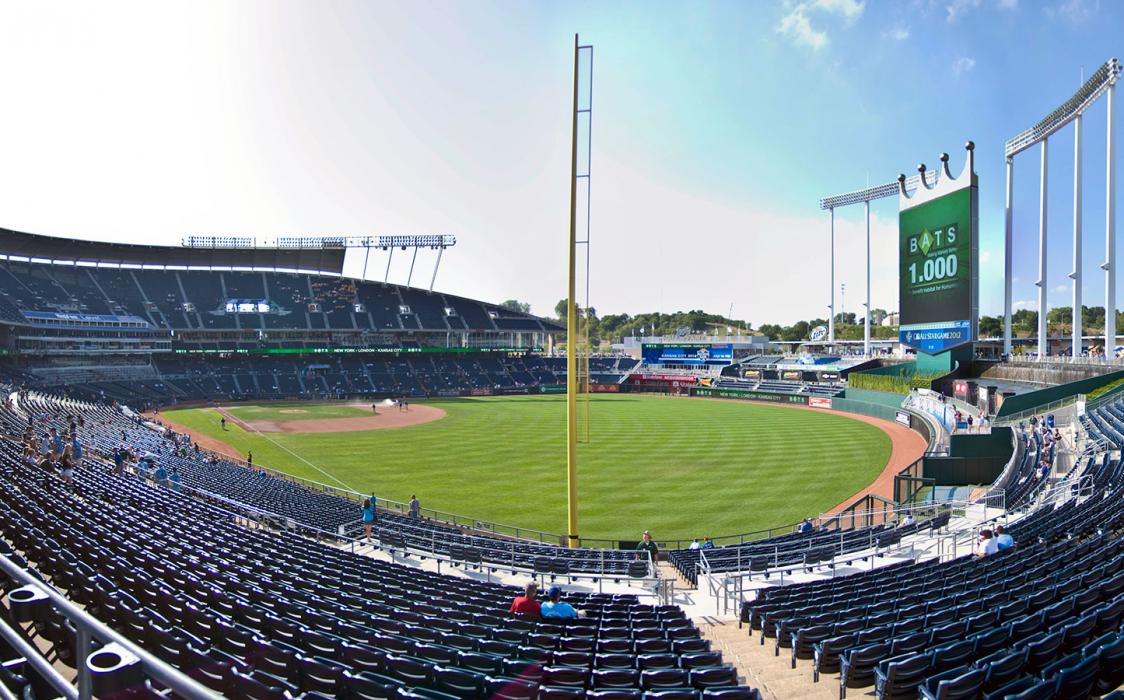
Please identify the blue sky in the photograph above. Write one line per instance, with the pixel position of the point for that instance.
(716, 128)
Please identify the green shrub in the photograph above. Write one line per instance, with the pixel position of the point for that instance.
(1101, 391)
(892, 383)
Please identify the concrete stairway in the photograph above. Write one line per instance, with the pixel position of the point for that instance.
(758, 667)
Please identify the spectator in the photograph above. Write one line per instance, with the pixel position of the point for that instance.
(415, 508)
(707, 544)
(368, 517)
(160, 475)
(987, 544)
(527, 604)
(175, 479)
(907, 520)
(806, 526)
(250, 458)
(76, 451)
(1002, 539)
(555, 609)
(56, 442)
(649, 546)
(119, 460)
(694, 544)
(66, 466)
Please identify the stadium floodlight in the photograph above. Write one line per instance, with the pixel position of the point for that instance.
(1101, 82)
(865, 197)
(432, 241)
(1097, 84)
(311, 242)
(219, 242)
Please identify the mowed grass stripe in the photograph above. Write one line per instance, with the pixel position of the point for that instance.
(680, 467)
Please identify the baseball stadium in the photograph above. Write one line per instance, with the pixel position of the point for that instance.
(238, 467)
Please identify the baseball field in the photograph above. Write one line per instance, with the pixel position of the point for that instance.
(682, 468)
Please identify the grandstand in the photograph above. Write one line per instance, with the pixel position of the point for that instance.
(308, 608)
(138, 562)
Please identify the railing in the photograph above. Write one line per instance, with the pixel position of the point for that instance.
(351, 535)
(1103, 399)
(1096, 362)
(1009, 468)
(1015, 418)
(728, 588)
(88, 630)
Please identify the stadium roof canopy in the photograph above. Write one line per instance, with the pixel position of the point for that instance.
(323, 258)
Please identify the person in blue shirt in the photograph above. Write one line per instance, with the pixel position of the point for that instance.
(807, 526)
(368, 516)
(1002, 539)
(175, 479)
(555, 609)
(56, 442)
(76, 451)
(160, 475)
(707, 544)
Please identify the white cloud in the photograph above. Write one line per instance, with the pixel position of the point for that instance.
(899, 33)
(1073, 11)
(1030, 304)
(849, 9)
(958, 8)
(797, 26)
(1061, 289)
(963, 65)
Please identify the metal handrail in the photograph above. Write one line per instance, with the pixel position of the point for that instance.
(89, 628)
(1014, 418)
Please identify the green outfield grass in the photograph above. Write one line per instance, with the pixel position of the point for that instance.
(680, 467)
(296, 410)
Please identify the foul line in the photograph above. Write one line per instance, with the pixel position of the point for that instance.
(246, 426)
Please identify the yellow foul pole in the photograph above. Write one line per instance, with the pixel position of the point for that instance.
(572, 538)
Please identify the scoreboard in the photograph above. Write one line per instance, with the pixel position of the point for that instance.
(687, 354)
(937, 275)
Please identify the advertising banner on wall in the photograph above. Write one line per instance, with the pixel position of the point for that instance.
(552, 388)
(753, 374)
(903, 417)
(679, 379)
(687, 354)
(750, 395)
(791, 375)
(604, 388)
(938, 279)
(819, 402)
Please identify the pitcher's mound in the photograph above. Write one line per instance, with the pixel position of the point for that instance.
(387, 418)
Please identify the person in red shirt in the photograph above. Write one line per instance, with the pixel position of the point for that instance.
(527, 604)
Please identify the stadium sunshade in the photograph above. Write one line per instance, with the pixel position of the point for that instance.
(27, 245)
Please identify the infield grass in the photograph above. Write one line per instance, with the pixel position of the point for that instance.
(296, 410)
(682, 468)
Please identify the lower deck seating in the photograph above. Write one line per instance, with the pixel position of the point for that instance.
(263, 614)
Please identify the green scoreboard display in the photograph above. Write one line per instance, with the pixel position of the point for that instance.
(937, 268)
